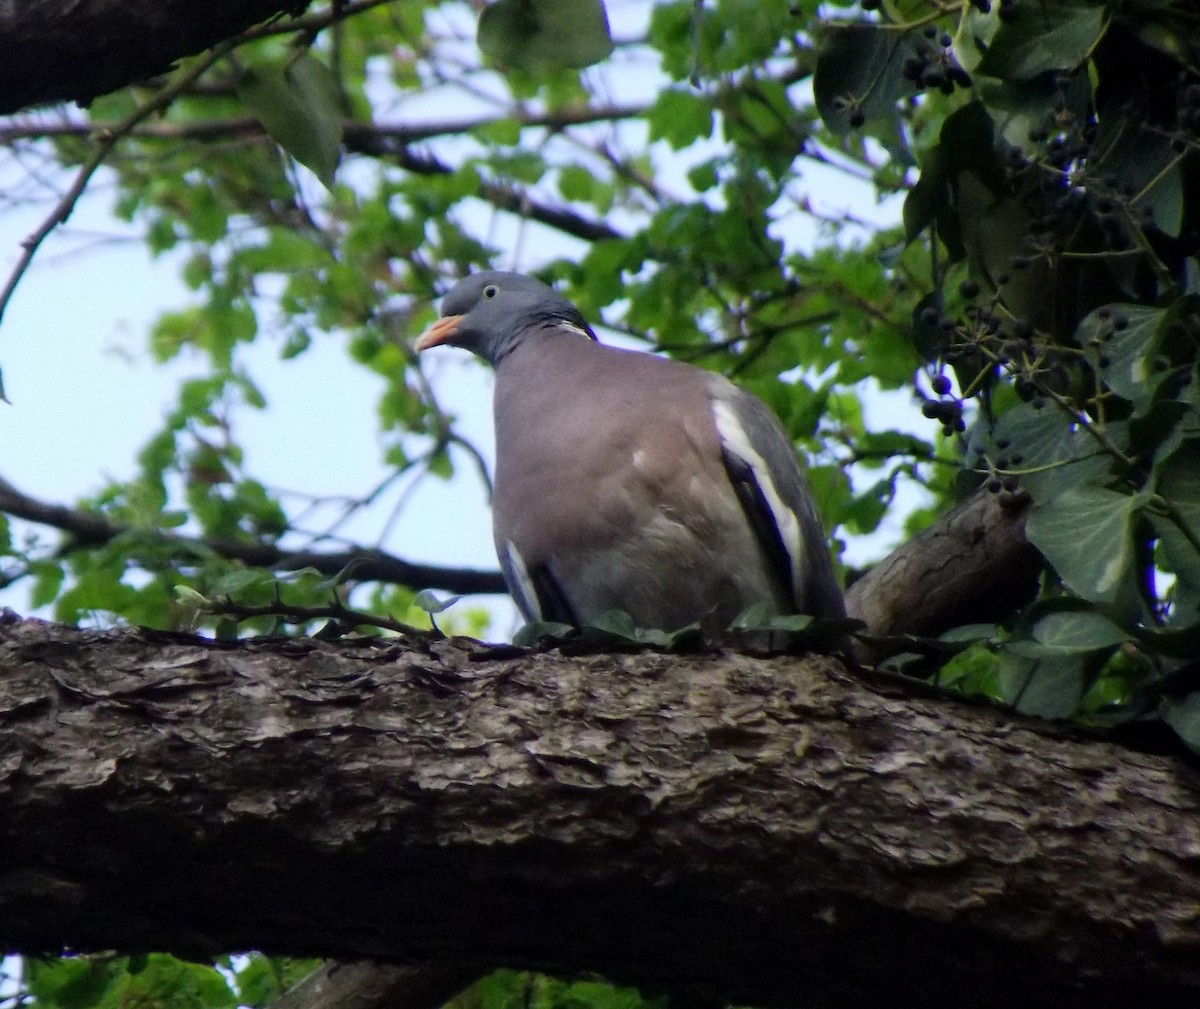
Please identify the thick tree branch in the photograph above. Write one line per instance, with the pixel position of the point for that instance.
(768, 828)
(55, 50)
(972, 565)
(88, 528)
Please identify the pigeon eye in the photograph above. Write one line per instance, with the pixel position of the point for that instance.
(491, 291)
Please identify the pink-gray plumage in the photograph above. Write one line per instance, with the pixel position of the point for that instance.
(628, 481)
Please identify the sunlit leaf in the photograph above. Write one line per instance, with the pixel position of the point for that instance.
(299, 105)
(428, 601)
(537, 35)
(1077, 631)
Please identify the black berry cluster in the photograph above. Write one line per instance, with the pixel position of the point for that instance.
(932, 64)
(999, 480)
(947, 410)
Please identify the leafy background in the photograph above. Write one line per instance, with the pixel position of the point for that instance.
(1011, 245)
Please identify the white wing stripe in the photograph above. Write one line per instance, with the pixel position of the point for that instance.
(520, 584)
(734, 436)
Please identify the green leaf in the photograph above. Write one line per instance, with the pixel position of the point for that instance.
(1124, 334)
(190, 599)
(1184, 717)
(1077, 631)
(927, 198)
(239, 580)
(300, 107)
(428, 601)
(615, 622)
(793, 622)
(1086, 533)
(575, 182)
(973, 671)
(1143, 163)
(858, 72)
(532, 634)
(1177, 481)
(1048, 453)
(755, 617)
(1046, 36)
(680, 118)
(48, 581)
(1045, 687)
(536, 35)
(72, 982)
(970, 632)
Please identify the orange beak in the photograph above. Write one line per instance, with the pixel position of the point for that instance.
(441, 332)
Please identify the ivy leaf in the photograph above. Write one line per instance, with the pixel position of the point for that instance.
(1077, 631)
(1048, 454)
(858, 74)
(1046, 687)
(532, 635)
(1184, 717)
(1086, 533)
(535, 35)
(1143, 162)
(618, 627)
(1177, 481)
(928, 197)
(1128, 351)
(1056, 36)
(299, 106)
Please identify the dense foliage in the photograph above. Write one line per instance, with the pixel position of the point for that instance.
(1038, 295)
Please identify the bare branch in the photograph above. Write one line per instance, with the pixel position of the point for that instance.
(972, 565)
(501, 195)
(90, 528)
(242, 126)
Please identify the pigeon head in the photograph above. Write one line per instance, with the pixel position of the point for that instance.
(490, 313)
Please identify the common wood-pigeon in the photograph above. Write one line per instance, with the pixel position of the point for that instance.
(628, 481)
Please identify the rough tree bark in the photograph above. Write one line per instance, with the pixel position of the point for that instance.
(54, 50)
(772, 830)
